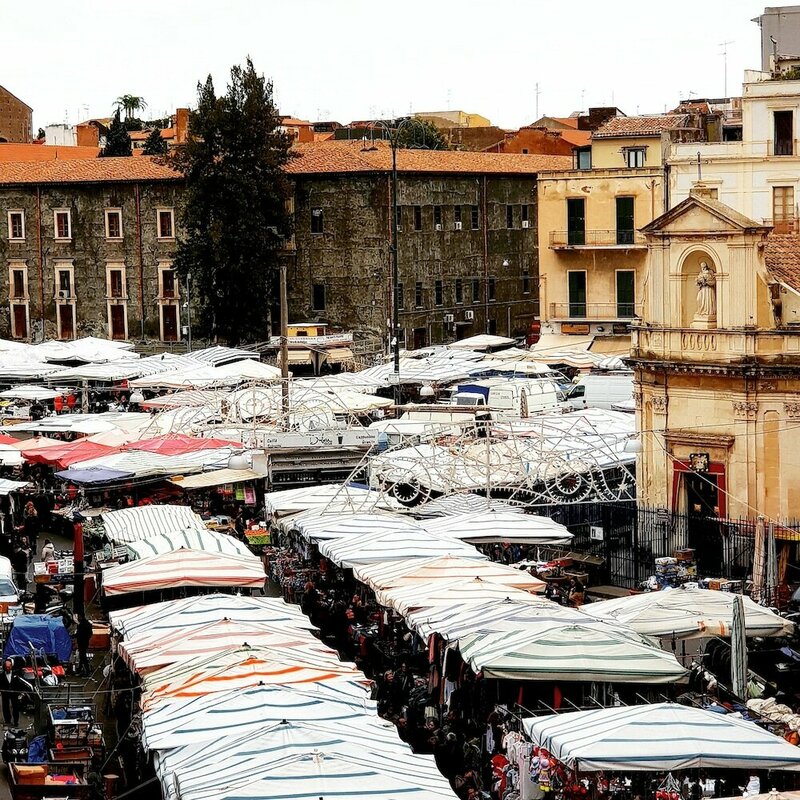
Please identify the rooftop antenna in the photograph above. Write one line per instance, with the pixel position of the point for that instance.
(537, 92)
(699, 169)
(724, 46)
(583, 95)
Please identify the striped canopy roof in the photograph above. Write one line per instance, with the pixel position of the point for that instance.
(209, 541)
(662, 736)
(157, 619)
(501, 526)
(133, 524)
(232, 712)
(184, 568)
(554, 651)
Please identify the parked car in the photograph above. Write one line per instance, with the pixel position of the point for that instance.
(601, 390)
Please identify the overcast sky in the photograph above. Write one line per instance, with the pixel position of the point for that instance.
(357, 59)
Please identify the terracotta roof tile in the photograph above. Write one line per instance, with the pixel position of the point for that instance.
(95, 170)
(782, 255)
(639, 126)
(44, 152)
(359, 156)
(577, 138)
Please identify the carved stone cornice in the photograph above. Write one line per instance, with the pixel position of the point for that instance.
(659, 403)
(745, 409)
(680, 436)
(792, 410)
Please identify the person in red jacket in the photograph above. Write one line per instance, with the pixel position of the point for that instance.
(58, 404)
(70, 402)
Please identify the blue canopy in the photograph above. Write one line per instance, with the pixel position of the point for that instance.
(47, 635)
(94, 475)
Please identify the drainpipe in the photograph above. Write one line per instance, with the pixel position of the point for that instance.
(139, 252)
(41, 254)
(666, 188)
(485, 215)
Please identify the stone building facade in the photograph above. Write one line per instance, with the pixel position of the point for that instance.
(466, 232)
(86, 248)
(16, 119)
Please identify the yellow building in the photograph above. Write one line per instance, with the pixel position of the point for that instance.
(591, 254)
(453, 119)
(717, 361)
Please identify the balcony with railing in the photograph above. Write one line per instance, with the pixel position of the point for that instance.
(596, 312)
(620, 238)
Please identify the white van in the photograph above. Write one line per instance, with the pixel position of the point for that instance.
(9, 593)
(597, 390)
(509, 399)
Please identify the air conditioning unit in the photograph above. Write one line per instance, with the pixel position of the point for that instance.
(438, 226)
(526, 223)
(469, 316)
(458, 226)
(449, 319)
(63, 294)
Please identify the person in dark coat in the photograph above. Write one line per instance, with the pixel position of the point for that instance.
(19, 561)
(11, 686)
(83, 635)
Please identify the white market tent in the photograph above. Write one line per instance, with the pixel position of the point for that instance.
(144, 655)
(462, 503)
(216, 716)
(503, 527)
(248, 370)
(688, 612)
(29, 392)
(396, 543)
(143, 522)
(184, 568)
(217, 763)
(218, 355)
(483, 341)
(246, 666)
(660, 737)
(156, 619)
(189, 378)
(553, 651)
(439, 594)
(413, 572)
(356, 499)
(7, 486)
(317, 527)
(313, 773)
(453, 623)
(210, 541)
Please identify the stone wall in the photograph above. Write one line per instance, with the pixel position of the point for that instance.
(15, 119)
(348, 253)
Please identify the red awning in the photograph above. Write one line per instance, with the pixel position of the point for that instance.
(62, 455)
(177, 444)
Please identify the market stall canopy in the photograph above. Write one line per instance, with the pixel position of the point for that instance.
(249, 370)
(395, 543)
(231, 712)
(389, 575)
(553, 651)
(142, 464)
(316, 527)
(183, 567)
(62, 454)
(123, 370)
(329, 773)
(94, 476)
(132, 524)
(501, 527)
(483, 341)
(687, 612)
(89, 349)
(217, 477)
(462, 503)
(243, 667)
(219, 354)
(353, 497)
(29, 392)
(227, 761)
(207, 640)
(188, 612)
(454, 622)
(209, 541)
(82, 423)
(405, 599)
(178, 444)
(7, 486)
(660, 737)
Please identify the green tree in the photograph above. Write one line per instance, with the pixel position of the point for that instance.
(118, 140)
(421, 134)
(234, 217)
(130, 103)
(154, 144)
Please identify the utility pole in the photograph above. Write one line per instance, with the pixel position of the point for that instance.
(189, 313)
(284, 347)
(536, 93)
(724, 46)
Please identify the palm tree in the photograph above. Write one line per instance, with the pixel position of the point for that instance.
(129, 103)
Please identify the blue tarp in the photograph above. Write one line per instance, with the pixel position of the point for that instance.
(47, 635)
(94, 475)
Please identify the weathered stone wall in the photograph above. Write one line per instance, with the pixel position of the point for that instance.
(351, 256)
(15, 119)
(89, 251)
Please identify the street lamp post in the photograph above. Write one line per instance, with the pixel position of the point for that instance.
(393, 136)
(188, 306)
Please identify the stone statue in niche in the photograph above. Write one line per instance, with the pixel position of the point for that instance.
(706, 313)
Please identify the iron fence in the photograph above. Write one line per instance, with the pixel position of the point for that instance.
(629, 538)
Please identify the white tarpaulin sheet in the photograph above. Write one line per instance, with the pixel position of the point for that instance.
(504, 527)
(355, 499)
(688, 612)
(210, 541)
(660, 737)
